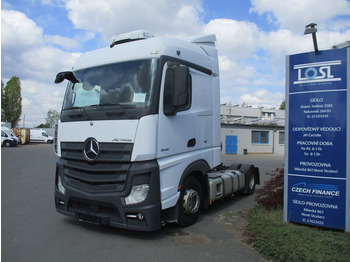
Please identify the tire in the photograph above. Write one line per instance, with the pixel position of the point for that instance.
(7, 143)
(250, 182)
(190, 202)
(49, 141)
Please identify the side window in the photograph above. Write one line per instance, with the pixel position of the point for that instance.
(281, 138)
(168, 99)
(44, 134)
(3, 134)
(260, 137)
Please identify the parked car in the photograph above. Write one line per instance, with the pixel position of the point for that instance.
(8, 138)
(40, 136)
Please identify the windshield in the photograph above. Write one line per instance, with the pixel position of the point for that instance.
(126, 85)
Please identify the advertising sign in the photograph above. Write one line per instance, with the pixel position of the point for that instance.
(316, 168)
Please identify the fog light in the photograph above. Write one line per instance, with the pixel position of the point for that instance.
(140, 216)
(60, 185)
(138, 194)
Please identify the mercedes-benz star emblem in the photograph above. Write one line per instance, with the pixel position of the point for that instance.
(91, 149)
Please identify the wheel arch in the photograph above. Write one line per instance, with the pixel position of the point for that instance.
(7, 142)
(198, 170)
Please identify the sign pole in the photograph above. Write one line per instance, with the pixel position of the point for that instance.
(347, 223)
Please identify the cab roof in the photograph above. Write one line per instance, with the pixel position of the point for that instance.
(143, 45)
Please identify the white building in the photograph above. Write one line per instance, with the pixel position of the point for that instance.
(247, 130)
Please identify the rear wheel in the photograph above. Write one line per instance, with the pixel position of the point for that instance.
(190, 202)
(249, 179)
(250, 184)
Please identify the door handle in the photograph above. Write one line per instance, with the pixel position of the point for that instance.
(191, 142)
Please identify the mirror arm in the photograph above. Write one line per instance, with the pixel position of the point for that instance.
(66, 75)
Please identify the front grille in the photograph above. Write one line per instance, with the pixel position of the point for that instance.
(102, 210)
(108, 173)
(109, 152)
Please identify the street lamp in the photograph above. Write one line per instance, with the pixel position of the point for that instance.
(312, 29)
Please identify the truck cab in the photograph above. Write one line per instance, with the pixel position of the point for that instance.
(138, 132)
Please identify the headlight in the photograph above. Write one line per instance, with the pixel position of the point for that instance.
(60, 185)
(138, 194)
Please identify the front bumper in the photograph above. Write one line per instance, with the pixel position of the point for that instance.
(107, 207)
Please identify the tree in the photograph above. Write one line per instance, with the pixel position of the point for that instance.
(283, 105)
(2, 99)
(42, 125)
(11, 101)
(270, 195)
(52, 118)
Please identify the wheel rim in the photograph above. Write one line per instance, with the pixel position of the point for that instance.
(252, 181)
(191, 201)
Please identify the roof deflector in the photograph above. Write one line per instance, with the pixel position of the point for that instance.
(202, 39)
(129, 37)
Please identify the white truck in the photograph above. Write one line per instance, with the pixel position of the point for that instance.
(138, 140)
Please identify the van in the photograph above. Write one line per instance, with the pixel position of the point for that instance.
(8, 138)
(40, 136)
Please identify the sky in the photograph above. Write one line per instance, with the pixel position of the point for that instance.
(40, 38)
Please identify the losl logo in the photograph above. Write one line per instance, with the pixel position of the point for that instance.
(316, 72)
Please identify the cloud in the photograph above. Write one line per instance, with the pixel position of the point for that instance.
(60, 41)
(249, 57)
(30, 55)
(38, 98)
(17, 30)
(278, 44)
(262, 97)
(234, 77)
(251, 60)
(159, 16)
(296, 14)
(235, 39)
(26, 52)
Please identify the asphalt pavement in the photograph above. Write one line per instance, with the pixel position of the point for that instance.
(32, 230)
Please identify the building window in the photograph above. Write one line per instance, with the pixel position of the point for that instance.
(260, 137)
(281, 138)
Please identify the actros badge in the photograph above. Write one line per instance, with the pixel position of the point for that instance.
(91, 149)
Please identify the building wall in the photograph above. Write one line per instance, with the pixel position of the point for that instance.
(231, 112)
(269, 144)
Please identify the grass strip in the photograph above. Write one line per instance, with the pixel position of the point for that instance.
(280, 241)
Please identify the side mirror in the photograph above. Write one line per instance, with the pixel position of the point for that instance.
(66, 75)
(181, 86)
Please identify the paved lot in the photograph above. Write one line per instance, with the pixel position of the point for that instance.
(33, 231)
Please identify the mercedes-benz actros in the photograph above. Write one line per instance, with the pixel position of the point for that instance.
(138, 140)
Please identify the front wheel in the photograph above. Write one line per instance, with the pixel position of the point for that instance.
(190, 202)
(7, 144)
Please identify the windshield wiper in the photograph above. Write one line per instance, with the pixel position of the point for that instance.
(81, 109)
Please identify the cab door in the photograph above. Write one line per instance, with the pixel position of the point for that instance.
(177, 121)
